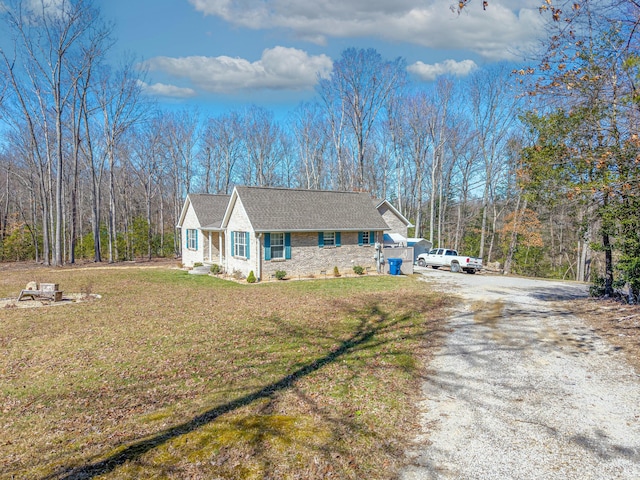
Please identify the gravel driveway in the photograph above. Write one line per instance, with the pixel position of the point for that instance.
(522, 389)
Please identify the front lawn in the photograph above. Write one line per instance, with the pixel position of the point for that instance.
(171, 375)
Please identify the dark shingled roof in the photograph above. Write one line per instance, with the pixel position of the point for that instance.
(209, 209)
(283, 209)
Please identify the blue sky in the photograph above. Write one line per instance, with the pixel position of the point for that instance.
(223, 54)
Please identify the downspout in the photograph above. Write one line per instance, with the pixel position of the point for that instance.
(258, 257)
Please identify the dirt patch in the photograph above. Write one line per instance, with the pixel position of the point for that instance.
(488, 313)
(619, 324)
(67, 299)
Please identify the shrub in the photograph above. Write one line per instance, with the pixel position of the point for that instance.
(251, 278)
(215, 269)
(197, 264)
(358, 270)
(280, 274)
(336, 272)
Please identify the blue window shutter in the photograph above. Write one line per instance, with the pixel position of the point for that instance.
(360, 240)
(337, 239)
(246, 238)
(233, 244)
(372, 237)
(197, 235)
(287, 246)
(320, 240)
(267, 246)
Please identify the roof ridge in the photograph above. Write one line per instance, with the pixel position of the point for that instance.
(210, 194)
(256, 187)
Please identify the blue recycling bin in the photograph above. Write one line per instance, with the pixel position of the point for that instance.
(394, 265)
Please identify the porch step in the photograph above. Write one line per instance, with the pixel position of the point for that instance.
(202, 270)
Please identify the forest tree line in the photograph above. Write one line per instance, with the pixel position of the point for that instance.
(537, 169)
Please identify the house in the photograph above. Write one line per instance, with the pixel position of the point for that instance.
(266, 229)
(202, 235)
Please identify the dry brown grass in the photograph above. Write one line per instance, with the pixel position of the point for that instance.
(171, 375)
(617, 323)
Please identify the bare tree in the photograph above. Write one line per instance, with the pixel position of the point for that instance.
(355, 94)
(418, 112)
(51, 44)
(309, 131)
(463, 149)
(224, 147)
(493, 110)
(118, 94)
(263, 148)
(181, 135)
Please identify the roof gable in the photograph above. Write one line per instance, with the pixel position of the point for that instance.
(282, 209)
(209, 209)
(379, 203)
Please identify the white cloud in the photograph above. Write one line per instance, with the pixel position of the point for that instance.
(279, 68)
(164, 90)
(493, 33)
(52, 8)
(448, 67)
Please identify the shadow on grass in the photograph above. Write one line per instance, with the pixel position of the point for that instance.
(373, 322)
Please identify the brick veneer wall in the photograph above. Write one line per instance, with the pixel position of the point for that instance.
(391, 219)
(307, 258)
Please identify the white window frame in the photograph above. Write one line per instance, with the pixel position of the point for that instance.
(365, 238)
(277, 248)
(240, 241)
(329, 239)
(192, 239)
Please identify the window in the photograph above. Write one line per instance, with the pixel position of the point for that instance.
(329, 239)
(240, 244)
(366, 238)
(277, 245)
(192, 239)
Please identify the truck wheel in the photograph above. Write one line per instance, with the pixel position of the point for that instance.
(421, 262)
(455, 267)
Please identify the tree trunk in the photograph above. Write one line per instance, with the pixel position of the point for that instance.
(514, 236)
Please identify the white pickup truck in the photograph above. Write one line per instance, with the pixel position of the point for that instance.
(445, 257)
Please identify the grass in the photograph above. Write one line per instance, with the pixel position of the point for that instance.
(171, 375)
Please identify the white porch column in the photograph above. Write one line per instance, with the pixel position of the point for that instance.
(221, 247)
(258, 256)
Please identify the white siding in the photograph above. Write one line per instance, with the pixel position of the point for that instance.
(239, 222)
(189, 257)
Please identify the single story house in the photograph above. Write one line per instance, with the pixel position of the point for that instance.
(265, 229)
